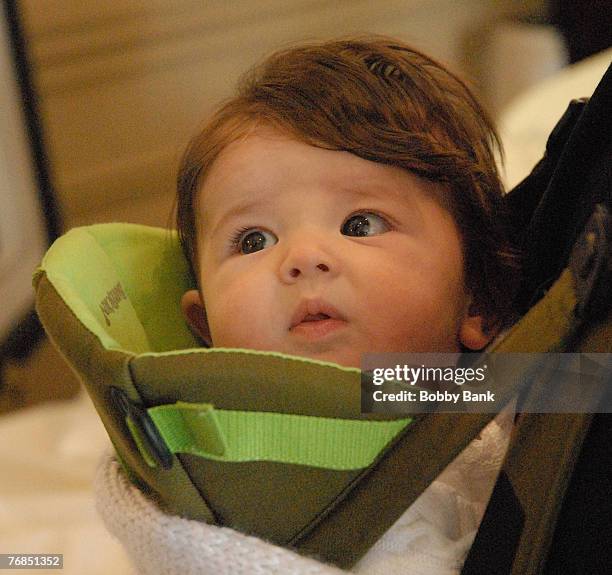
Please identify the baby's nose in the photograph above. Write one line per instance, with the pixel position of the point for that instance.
(306, 263)
(295, 272)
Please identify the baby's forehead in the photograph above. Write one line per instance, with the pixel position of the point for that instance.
(267, 160)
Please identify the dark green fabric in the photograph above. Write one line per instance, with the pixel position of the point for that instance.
(274, 501)
(253, 381)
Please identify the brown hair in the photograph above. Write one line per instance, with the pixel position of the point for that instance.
(385, 102)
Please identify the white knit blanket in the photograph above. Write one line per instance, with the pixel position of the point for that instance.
(431, 537)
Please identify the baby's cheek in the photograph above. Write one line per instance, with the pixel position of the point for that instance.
(413, 316)
(237, 316)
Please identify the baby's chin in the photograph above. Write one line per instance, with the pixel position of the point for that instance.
(344, 359)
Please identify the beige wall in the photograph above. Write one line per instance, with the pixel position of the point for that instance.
(123, 84)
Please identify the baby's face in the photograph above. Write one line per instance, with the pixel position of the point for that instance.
(322, 254)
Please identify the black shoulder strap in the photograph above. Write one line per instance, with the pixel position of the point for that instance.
(531, 525)
(552, 205)
(552, 501)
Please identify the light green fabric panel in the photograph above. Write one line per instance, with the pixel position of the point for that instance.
(86, 279)
(124, 282)
(155, 274)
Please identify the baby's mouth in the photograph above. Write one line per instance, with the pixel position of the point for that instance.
(313, 310)
(314, 319)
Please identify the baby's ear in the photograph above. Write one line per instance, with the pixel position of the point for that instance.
(476, 330)
(195, 314)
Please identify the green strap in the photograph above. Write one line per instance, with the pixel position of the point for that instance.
(234, 436)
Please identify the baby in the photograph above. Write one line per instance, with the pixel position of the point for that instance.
(346, 201)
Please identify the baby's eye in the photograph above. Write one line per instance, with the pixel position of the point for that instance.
(364, 224)
(251, 241)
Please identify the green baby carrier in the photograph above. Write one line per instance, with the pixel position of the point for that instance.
(277, 446)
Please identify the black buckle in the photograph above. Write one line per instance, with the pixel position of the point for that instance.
(155, 445)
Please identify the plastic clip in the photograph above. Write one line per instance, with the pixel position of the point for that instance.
(142, 429)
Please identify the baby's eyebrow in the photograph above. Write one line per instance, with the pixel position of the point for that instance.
(368, 190)
(245, 206)
(234, 212)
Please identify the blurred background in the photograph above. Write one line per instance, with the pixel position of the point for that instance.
(98, 99)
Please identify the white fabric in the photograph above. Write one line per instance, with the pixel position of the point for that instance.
(432, 536)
